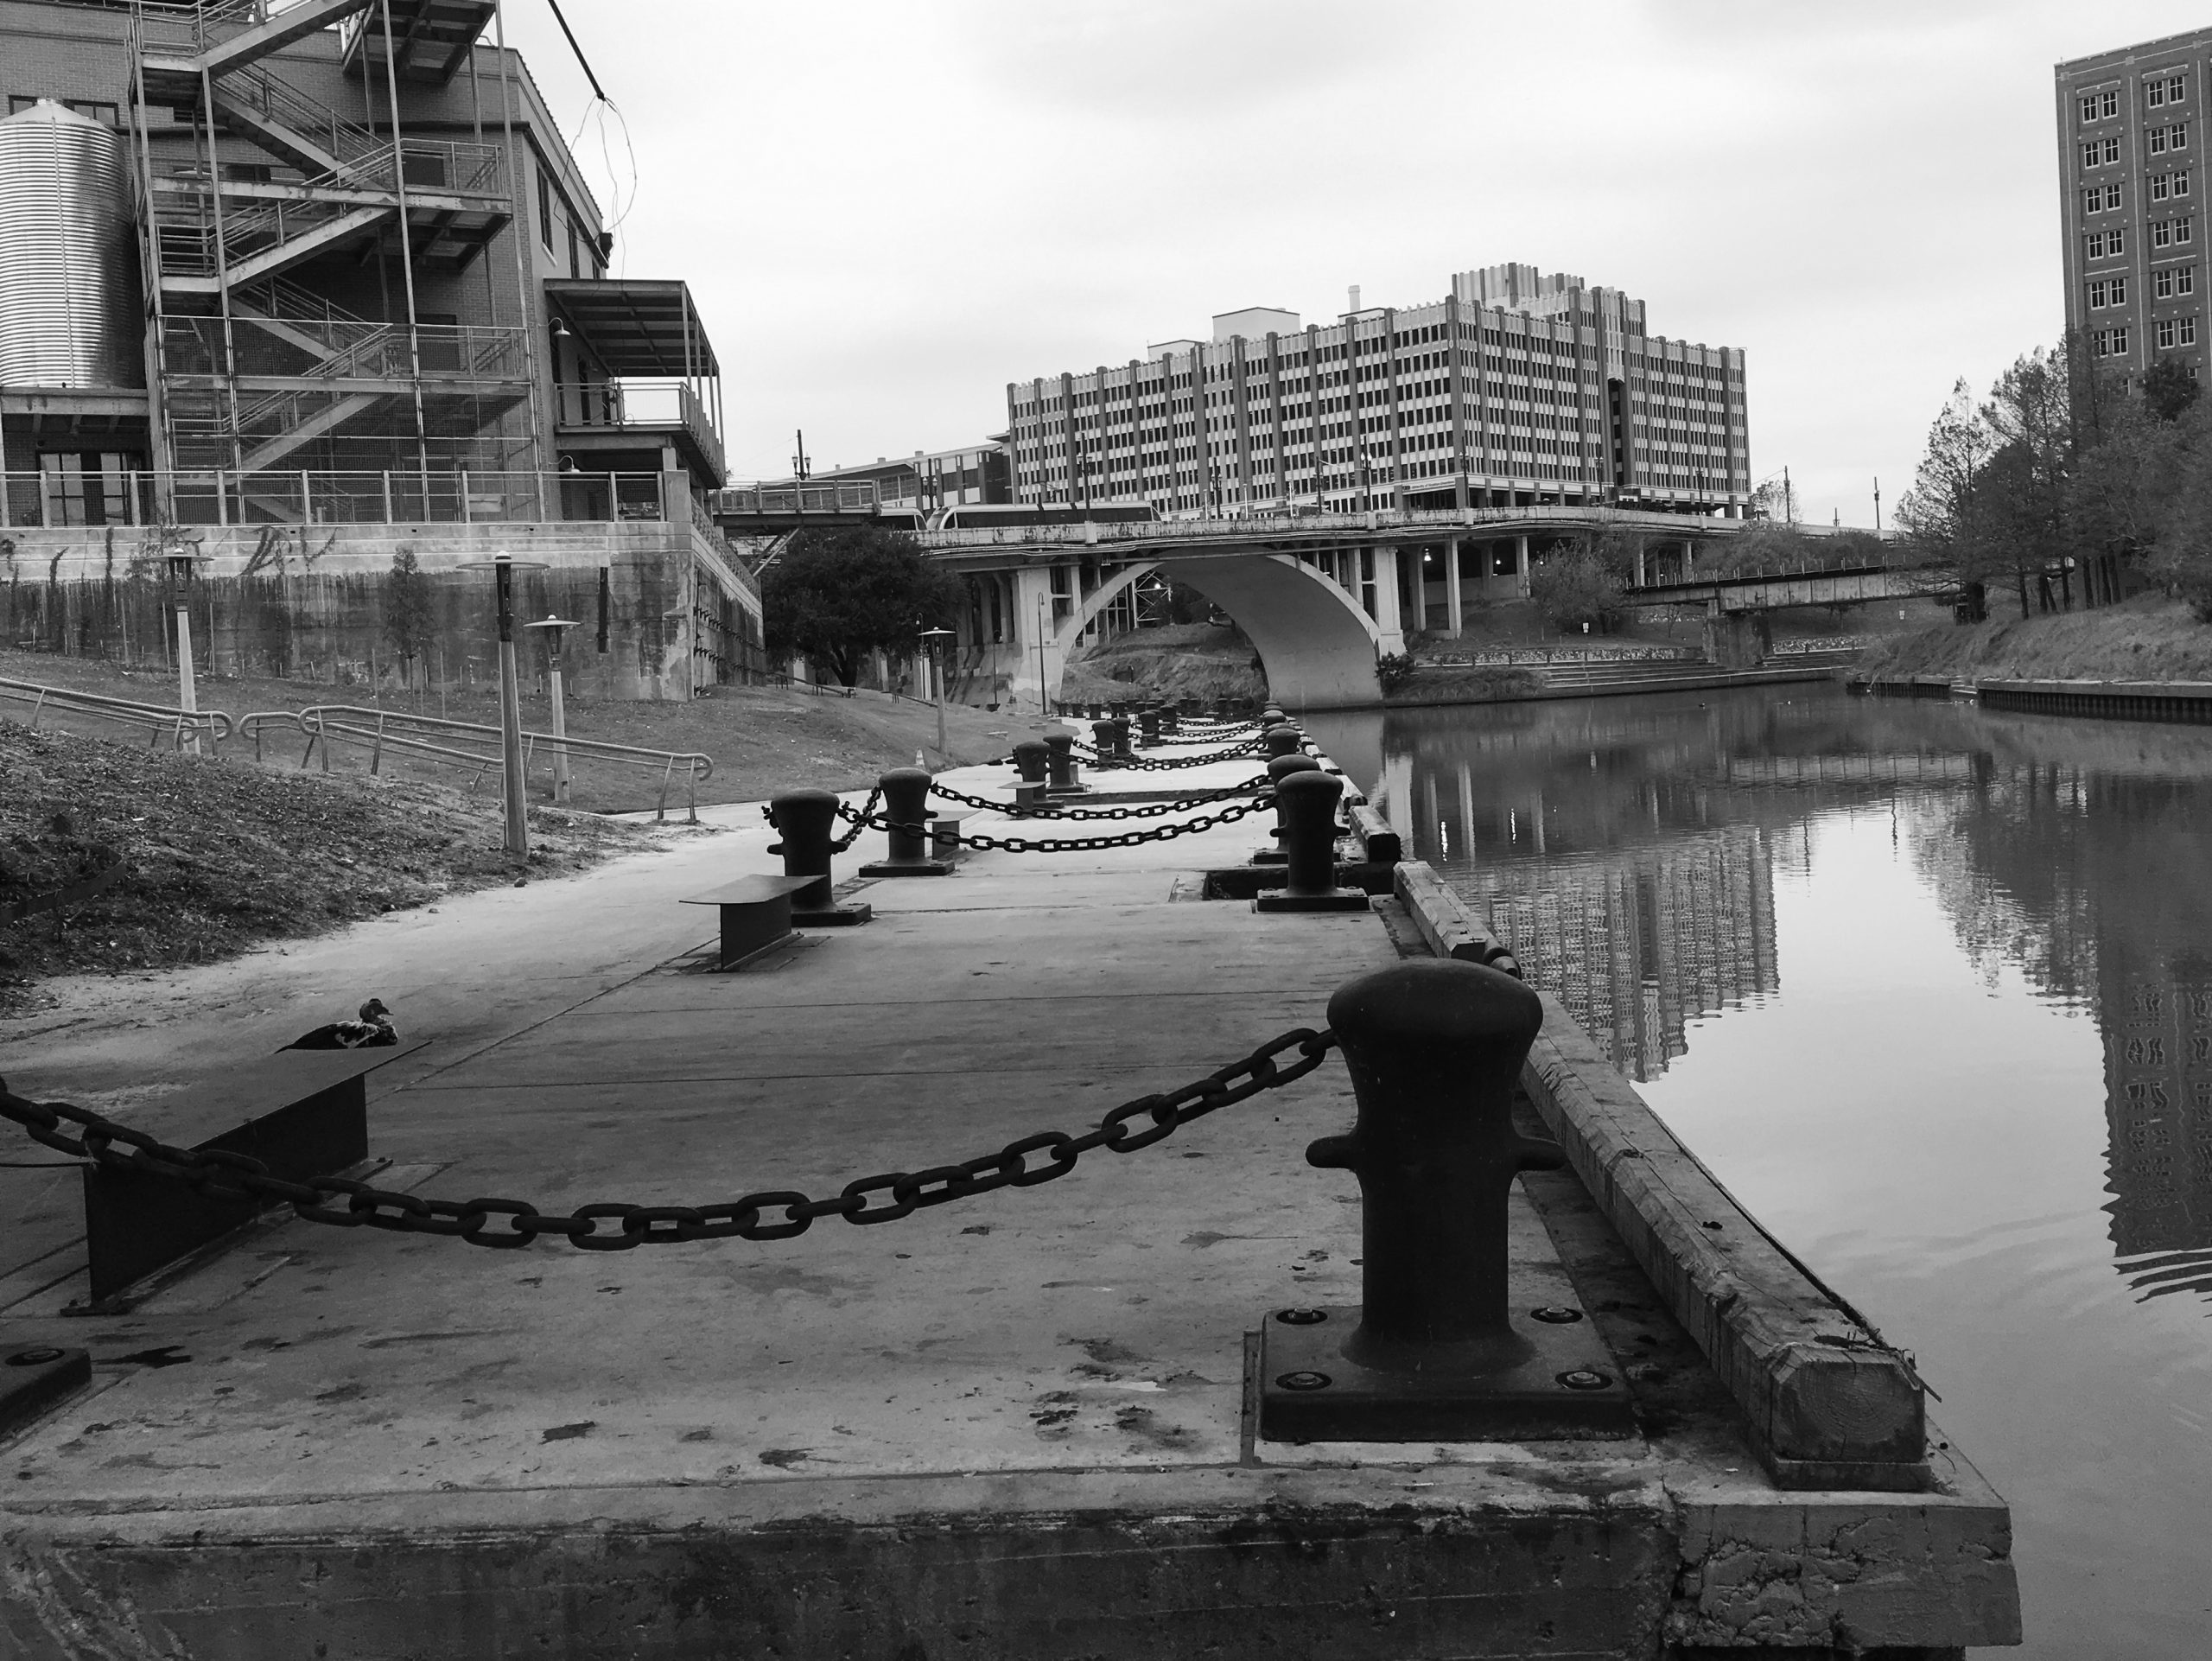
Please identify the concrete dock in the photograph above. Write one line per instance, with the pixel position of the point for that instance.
(1015, 1426)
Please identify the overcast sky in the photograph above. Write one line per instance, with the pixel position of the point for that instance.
(887, 211)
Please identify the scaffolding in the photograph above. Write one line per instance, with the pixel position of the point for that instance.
(263, 204)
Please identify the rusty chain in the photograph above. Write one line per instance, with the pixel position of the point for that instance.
(1149, 810)
(229, 1176)
(1228, 815)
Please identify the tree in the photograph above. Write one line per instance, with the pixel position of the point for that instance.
(2168, 389)
(837, 596)
(1937, 514)
(408, 622)
(1575, 586)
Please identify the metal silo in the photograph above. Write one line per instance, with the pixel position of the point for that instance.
(68, 263)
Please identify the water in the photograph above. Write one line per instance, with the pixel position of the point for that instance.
(1930, 988)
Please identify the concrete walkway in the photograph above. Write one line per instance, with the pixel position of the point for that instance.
(1015, 1425)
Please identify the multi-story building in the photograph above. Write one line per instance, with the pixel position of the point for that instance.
(1516, 389)
(289, 289)
(252, 242)
(2129, 137)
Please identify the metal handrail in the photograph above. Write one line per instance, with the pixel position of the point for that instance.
(378, 730)
(158, 718)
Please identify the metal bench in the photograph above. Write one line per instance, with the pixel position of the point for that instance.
(756, 914)
(944, 836)
(302, 1113)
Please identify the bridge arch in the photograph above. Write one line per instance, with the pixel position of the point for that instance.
(1315, 639)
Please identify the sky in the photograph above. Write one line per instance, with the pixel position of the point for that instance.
(888, 209)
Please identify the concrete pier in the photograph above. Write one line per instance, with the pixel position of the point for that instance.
(1017, 1426)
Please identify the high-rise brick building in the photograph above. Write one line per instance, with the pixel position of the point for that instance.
(2129, 134)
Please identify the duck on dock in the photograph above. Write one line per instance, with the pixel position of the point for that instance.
(373, 1029)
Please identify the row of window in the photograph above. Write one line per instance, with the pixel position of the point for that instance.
(2172, 282)
(2109, 342)
(2106, 245)
(2157, 92)
(2107, 292)
(2164, 185)
(2175, 331)
(2159, 140)
(2167, 233)
(2101, 199)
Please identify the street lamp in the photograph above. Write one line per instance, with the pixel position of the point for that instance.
(935, 639)
(184, 559)
(553, 626)
(502, 569)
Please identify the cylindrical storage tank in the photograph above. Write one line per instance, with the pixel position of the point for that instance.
(68, 261)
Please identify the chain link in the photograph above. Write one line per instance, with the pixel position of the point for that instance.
(837, 844)
(1228, 815)
(777, 1214)
(1149, 810)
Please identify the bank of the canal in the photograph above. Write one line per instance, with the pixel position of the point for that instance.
(1017, 1426)
(1928, 986)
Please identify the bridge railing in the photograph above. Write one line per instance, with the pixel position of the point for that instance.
(1244, 526)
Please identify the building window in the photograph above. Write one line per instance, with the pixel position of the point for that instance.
(2094, 244)
(2089, 108)
(2177, 88)
(545, 210)
(2160, 183)
(2112, 152)
(2162, 284)
(2112, 104)
(2155, 140)
(2181, 230)
(2165, 327)
(2112, 196)
(2120, 343)
(2119, 291)
(2181, 136)
(2185, 279)
(2115, 242)
(2154, 93)
(2096, 296)
(2090, 153)
(2188, 331)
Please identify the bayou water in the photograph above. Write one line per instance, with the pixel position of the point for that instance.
(1930, 990)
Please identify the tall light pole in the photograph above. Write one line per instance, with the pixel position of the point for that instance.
(502, 569)
(935, 639)
(183, 560)
(553, 626)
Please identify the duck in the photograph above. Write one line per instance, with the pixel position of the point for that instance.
(373, 1029)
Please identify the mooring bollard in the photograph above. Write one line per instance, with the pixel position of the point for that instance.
(1061, 776)
(1443, 1346)
(906, 802)
(1030, 758)
(1282, 739)
(1270, 716)
(1106, 741)
(1149, 726)
(804, 819)
(1305, 805)
(1280, 768)
(1122, 750)
(1171, 720)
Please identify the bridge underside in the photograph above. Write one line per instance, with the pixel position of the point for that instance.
(1317, 648)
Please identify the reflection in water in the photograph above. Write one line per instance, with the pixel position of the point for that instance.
(1628, 851)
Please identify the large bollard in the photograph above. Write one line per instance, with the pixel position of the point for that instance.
(1106, 740)
(1122, 750)
(907, 801)
(1272, 715)
(1171, 720)
(1062, 777)
(1149, 726)
(804, 819)
(1280, 768)
(1031, 759)
(1444, 1346)
(1283, 739)
(1305, 803)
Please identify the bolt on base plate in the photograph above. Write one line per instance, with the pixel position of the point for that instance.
(1570, 1390)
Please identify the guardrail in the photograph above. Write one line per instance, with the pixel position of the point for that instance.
(158, 719)
(399, 732)
(308, 496)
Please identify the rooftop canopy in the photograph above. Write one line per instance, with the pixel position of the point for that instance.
(635, 327)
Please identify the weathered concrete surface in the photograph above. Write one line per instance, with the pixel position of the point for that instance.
(1013, 1427)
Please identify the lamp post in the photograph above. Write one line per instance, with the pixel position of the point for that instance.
(553, 626)
(935, 639)
(502, 569)
(183, 561)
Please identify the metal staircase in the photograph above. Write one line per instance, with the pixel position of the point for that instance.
(255, 366)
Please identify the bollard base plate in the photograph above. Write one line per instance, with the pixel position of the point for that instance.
(34, 1377)
(1271, 856)
(1334, 900)
(908, 867)
(831, 916)
(1529, 1402)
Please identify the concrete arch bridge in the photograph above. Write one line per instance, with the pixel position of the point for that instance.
(1320, 595)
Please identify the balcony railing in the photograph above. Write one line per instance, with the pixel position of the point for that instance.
(277, 496)
(337, 349)
(857, 496)
(641, 405)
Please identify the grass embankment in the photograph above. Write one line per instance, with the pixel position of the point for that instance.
(762, 739)
(219, 857)
(2147, 638)
(1180, 661)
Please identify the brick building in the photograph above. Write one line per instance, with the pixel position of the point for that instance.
(2129, 137)
(1515, 389)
